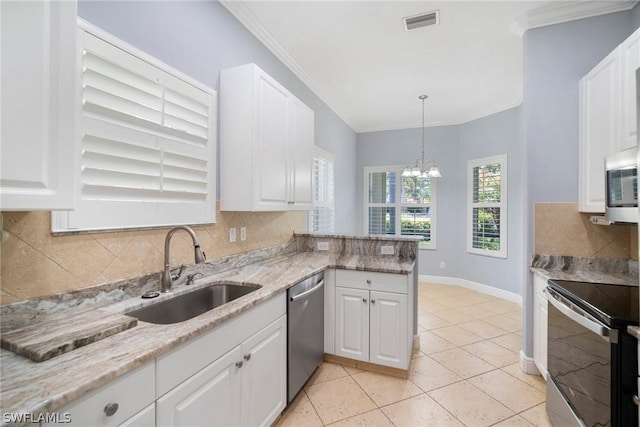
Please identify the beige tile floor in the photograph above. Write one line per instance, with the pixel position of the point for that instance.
(466, 373)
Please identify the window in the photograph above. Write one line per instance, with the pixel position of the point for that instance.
(321, 217)
(399, 206)
(147, 142)
(488, 206)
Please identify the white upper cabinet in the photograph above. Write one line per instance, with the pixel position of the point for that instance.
(266, 144)
(39, 102)
(607, 119)
(630, 62)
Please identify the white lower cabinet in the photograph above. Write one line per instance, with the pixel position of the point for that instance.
(352, 323)
(115, 404)
(245, 386)
(144, 418)
(233, 375)
(372, 325)
(211, 397)
(540, 324)
(388, 332)
(264, 375)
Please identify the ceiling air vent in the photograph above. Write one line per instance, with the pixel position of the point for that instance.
(422, 20)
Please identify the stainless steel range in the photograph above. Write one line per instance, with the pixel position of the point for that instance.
(592, 360)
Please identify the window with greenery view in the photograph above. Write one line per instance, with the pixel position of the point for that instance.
(321, 217)
(487, 186)
(397, 205)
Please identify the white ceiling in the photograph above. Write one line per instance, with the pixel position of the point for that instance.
(358, 58)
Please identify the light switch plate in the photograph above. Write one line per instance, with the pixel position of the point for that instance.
(232, 235)
(322, 246)
(243, 234)
(387, 250)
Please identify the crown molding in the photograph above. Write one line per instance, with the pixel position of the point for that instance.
(242, 13)
(565, 11)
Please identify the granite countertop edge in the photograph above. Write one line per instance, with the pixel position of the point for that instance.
(101, 362)
(586, 276)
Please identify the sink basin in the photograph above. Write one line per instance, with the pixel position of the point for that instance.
(192, 304)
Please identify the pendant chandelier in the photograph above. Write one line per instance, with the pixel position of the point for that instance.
(422, 167)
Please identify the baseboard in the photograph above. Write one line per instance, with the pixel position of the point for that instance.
(527, 365)
(475, 286)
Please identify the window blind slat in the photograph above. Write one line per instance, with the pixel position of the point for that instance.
(100, 101)
(110, 193)
(106, 67)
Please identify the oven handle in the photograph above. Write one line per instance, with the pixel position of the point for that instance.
(581, 318)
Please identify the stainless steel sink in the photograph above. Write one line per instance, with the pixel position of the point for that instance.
(192, 304)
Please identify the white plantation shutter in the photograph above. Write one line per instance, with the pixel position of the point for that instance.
(147, 143)
(321, 217)
(487, 206)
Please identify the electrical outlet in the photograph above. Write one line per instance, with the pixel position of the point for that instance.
(387, 250)
(442, 264)
(232, 235)
(243, 234)
(322, 246)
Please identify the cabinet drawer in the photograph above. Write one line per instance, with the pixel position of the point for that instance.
(131, 393)
(385, 282)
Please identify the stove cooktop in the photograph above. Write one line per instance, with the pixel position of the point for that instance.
(614, 305)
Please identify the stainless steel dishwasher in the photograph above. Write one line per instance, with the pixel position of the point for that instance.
(305, 331)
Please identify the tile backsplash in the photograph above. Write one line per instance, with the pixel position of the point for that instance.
(561, 230)
(36, 263)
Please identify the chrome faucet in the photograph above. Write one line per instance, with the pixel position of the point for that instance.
(198, 254)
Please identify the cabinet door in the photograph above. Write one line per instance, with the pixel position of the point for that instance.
(301, 155)
(388, 329)
(599, 130)
(352, 323)
(39, 102)
(264, 375)
(630, 62)
(211, 397)
(271, 116)
(144, 418)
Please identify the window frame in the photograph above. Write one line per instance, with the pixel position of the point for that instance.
(326, 155)
(105, 212)
(502, 205)
(398, 205)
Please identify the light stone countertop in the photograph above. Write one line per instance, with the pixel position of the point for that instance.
(634, 331)
(36, 388)
(593, 270)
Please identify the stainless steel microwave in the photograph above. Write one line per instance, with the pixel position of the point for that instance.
(622, 186)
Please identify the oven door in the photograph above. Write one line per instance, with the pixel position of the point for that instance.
(579, 365)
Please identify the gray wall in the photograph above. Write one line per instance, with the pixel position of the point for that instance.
(555, 59)
(452, 147)
(200, 38)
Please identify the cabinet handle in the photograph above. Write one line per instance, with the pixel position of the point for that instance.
(111, 409)
(373, 301)
(368, 281)
(364, 300)
(239, 364)
(247, 357)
